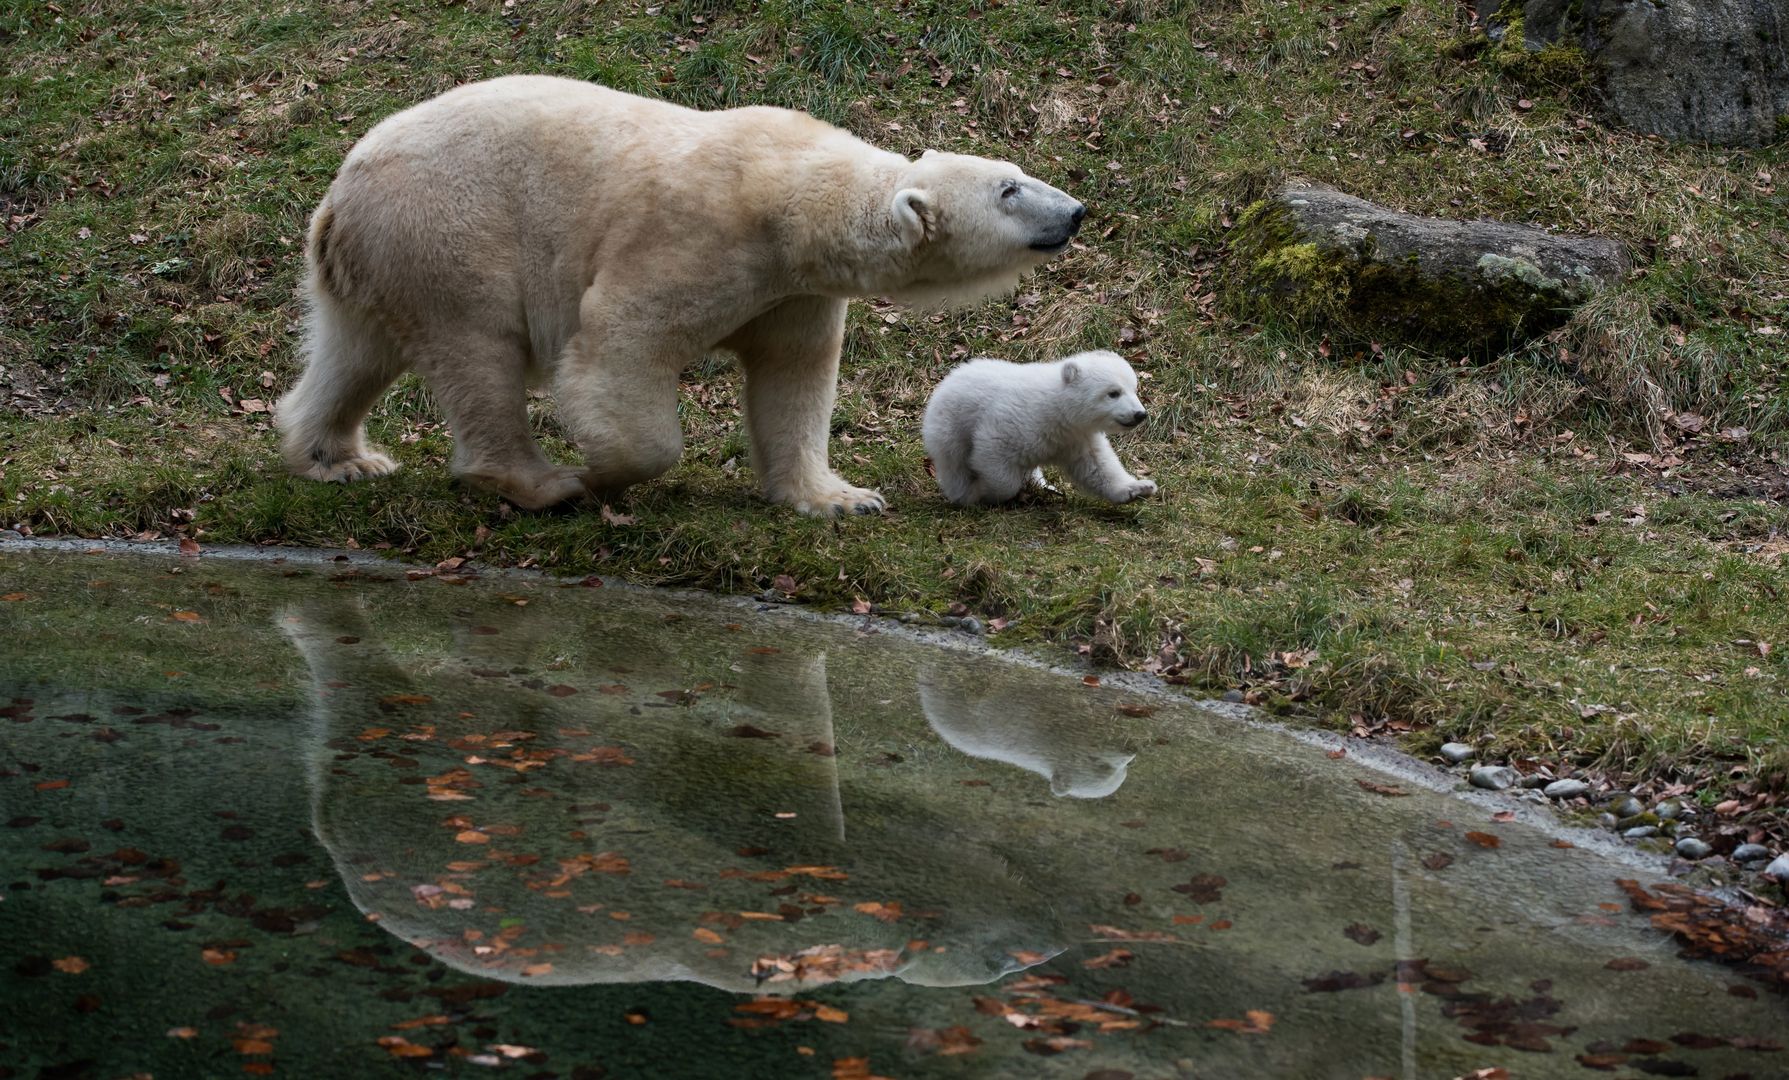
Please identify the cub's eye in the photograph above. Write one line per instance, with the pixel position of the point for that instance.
(1111, 393)
(1009, 189)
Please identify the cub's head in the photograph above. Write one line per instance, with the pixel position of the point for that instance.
(974, 226)
(1102, 392)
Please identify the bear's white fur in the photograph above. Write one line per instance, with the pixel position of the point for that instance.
(991, 425)
(531, 225)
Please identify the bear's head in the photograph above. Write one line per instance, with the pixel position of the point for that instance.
(1100, 392)
(973, 226)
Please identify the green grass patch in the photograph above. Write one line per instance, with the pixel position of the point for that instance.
(1574, 549)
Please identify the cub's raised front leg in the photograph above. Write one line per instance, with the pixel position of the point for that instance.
(1097, 471)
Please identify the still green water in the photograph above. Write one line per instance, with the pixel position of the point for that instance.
(321, 820)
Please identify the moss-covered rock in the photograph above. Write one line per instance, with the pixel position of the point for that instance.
(1713, 71)
(1312, 256)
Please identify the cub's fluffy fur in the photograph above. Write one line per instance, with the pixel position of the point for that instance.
(990, 426)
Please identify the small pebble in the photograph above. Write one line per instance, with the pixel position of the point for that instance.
(910, 617)
(1668, 810)
(1566, 789)
(1232, 696)
(1751, 853)
(1456, 752)
(969, 624)
(1493, 777)
(1641, 832)
(1607, 821)
(1628, 807)
(1779, 868)
(1691, 848)
(1536, 780)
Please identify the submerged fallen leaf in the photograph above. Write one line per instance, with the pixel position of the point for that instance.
(1381, 789)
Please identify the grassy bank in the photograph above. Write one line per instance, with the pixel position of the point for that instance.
(1574, 550)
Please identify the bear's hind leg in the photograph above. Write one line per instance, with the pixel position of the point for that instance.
(791, 359)
(480, 379)
(349, 362)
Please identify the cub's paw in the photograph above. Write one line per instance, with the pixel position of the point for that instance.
(1136, 489)
(834, 498)
(362, 465)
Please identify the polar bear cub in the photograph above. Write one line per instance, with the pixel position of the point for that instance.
(991, 425)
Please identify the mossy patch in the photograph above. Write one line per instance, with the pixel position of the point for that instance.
(1336, 278)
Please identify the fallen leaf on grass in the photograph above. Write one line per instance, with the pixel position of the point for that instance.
(1361, 933)
(187, 616)
(218, 957)
(15, 597)
(1438, 860)
(1130, 708)
(1627, 963)
(183, 1033)
(707, 936)
(610, 516)
(49, 785)
(70, 965)
(1056, 1044)
(1484, 840)
(830, 1014)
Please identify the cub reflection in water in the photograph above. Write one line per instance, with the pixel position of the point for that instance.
(671, 807)
(1031, 724)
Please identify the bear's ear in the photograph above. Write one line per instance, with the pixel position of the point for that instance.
(1070, 372)
(912, 217)
(926, 154)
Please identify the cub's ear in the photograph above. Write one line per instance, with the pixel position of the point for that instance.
(1070, 372)
(927, 154)
(912, 215)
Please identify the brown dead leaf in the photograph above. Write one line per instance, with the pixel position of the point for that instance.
(70, 965)
(1484, 840)
(1381, 789)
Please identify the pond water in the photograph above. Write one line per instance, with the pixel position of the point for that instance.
(323, 820)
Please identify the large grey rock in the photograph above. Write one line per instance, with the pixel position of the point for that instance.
(1714, 71)
(1314, 256)
(1566, 789)
(1750, 853)
(1779, 869)
(1691, 848)
(1493, 777)
(1455, 752)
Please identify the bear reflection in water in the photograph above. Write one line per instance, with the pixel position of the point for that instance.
(1026, 725)
(649, 815)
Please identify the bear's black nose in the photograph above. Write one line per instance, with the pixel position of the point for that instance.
(1074, 219)
(1135, 418)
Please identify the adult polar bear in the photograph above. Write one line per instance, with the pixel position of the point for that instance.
(530, 224)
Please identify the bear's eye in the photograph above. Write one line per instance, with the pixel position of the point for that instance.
(1112, 393)
(1009, 189)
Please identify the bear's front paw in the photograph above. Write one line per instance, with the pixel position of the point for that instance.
(1136, 489)
(837, 498)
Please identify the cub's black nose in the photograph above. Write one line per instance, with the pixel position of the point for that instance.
(1135, 418)
(1074, 219)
